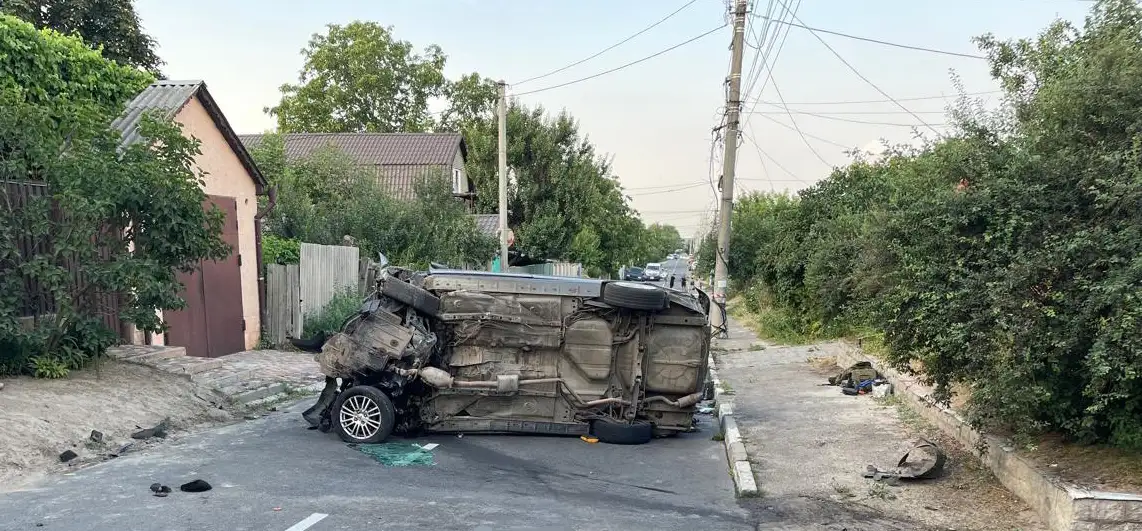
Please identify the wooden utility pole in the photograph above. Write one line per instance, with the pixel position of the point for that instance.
(725, 211)
(502, 111)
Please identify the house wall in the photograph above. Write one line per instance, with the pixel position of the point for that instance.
(227, 177)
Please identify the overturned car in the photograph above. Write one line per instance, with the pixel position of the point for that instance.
(461, 351)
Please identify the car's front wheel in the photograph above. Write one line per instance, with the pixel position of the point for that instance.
(363, 414)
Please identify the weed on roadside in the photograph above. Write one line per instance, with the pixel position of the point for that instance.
(880, 491)
(843, 490)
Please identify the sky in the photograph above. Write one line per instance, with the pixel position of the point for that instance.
(655, 117)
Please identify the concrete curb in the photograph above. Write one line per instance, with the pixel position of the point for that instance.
(745, 483)
(1061, 507)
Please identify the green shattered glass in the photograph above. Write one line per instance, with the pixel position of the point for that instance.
(397, 454)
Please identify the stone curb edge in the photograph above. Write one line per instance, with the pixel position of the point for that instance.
(745, 484)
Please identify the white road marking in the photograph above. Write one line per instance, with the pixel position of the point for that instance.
(308, 522)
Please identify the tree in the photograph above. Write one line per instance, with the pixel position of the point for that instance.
(564, 203)
(358, 78)
(111, 25)
(127, 218)
(326, 196)
(470, 99)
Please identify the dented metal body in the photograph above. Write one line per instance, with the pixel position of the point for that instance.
(478, 352)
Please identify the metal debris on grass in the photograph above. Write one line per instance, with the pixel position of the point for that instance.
(397, 454)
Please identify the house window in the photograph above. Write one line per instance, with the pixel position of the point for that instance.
(457, 181)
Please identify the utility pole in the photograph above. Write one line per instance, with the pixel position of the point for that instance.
(502, 111)
(725, 211)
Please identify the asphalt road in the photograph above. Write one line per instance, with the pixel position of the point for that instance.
(273, 474)
(679, 268)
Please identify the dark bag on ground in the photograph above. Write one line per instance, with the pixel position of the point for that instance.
(859, 372)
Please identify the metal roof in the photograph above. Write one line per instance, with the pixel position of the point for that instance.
(487, 223)
(382, 149)
(167, 98)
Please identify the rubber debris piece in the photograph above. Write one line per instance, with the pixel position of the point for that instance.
(925, 460)
(197, 485)
(397, 454)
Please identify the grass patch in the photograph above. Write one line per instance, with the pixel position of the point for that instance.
(768, 323)
(333, 315)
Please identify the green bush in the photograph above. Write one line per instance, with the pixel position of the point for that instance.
(278, 250)
(1006, 256)
(333, 315)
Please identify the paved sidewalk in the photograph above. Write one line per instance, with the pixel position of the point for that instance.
(809, 445)
(243, 377)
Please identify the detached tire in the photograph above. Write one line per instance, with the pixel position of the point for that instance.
(364, 415)
(634, 296)
(419, 298)
(615, 432)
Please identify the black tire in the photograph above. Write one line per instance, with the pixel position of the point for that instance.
(419, 298)
(368, 405)
(615, 432)
(634, 296)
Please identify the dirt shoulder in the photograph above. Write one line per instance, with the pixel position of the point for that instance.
(810, 444)
(39, 419)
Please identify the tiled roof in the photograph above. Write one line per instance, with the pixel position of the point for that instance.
(400, 181)
(487, 223)
(167, 98)
(376, 148)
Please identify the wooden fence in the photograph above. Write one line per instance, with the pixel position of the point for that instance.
(283, 302)
(326, 270)
(294, 292)
(35, 300)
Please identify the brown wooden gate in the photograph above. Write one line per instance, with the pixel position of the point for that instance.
(212, 325)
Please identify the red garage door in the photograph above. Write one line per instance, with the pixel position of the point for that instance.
(212, 323)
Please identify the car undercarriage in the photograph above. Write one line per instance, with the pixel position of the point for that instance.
(461, 351)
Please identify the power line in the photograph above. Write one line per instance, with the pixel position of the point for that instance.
(865, 79)
(769, 65)
(878, 41)
(679, 189)
(660, 186)
(841, 113)
(632, 63)
(860, 102)
(611, 47)
(795, 126)
(762, 153)
(810, 135)
(850, 120)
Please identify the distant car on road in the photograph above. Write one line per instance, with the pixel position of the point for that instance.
(673, 256)
(634, 274)
(652, 272)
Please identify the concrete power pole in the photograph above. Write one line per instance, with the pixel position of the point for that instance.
(502, 111)
(725, 211)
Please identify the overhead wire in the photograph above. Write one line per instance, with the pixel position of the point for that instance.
(835, 113)
(861, 102)
(862, 76)
(810, 135)
(627, 65)
(762, 153)
(767, 63)
(850, 120)
(609, 48)
(885, 43)
(679, 189)
(795, 126)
